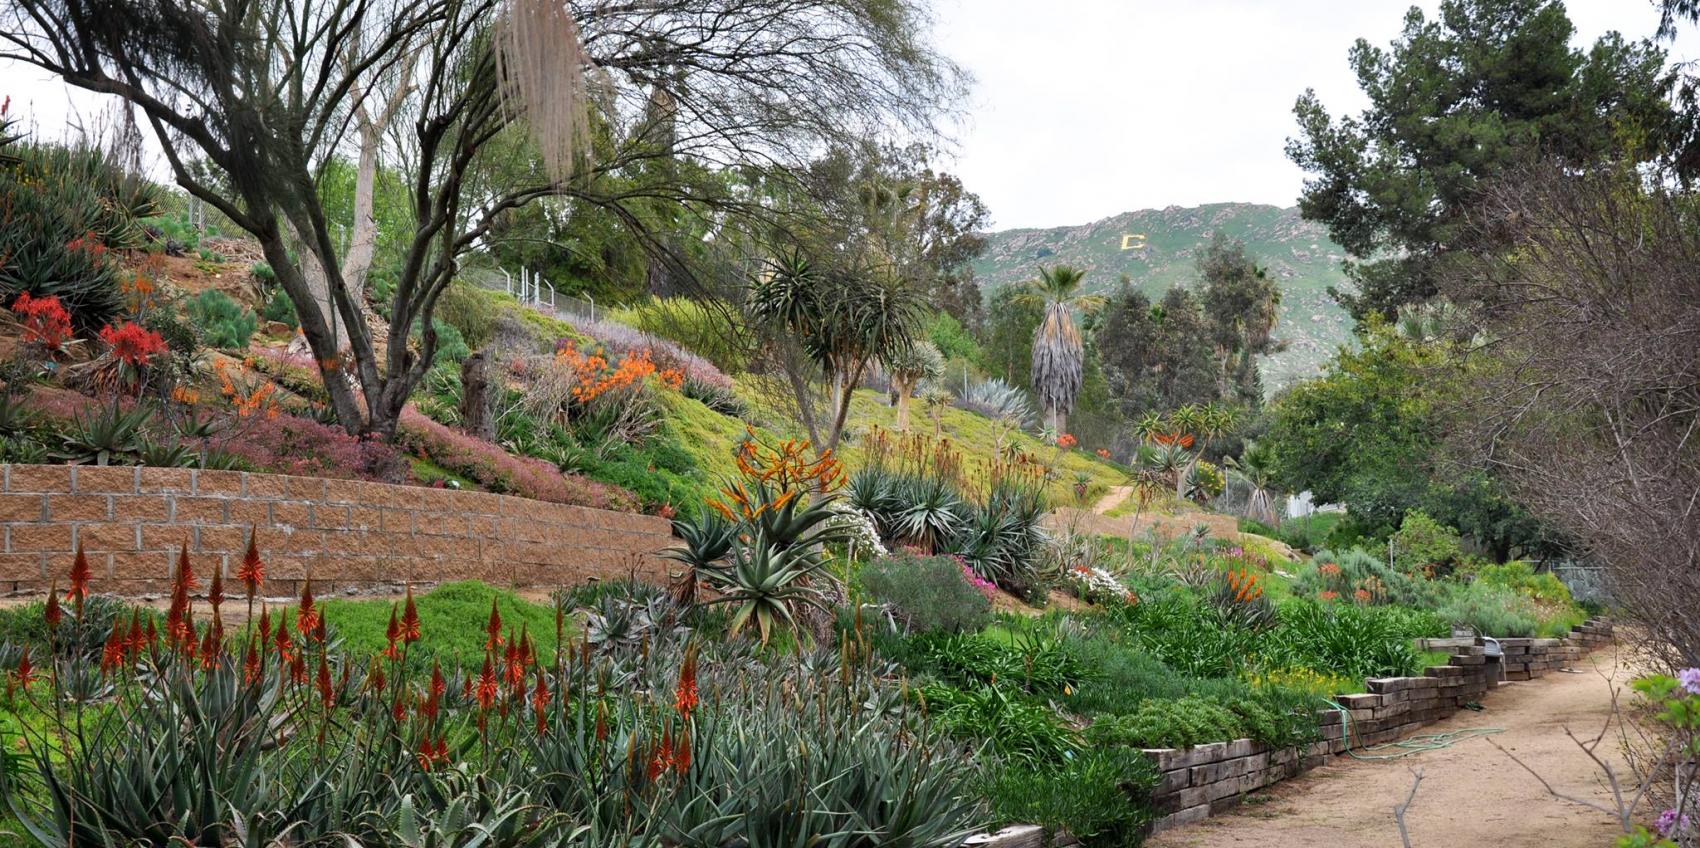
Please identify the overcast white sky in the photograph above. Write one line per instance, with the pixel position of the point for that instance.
(1088, 108)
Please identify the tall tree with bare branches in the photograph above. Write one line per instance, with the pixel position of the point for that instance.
(264, 94)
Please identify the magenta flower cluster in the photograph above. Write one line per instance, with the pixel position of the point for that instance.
(303, 447)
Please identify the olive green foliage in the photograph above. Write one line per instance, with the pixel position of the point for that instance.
(223, 322)
(1491, 611)
(951, 338)
(1422, 544)
(926, 593)
(1480, 89)
(1368, 434)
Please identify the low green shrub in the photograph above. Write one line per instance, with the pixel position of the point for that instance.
(223, 322)
(1101, 797)
(1175, 723)
(1188, 635)
(1035, 662)
(1010, 727)
(1348, 639)
(1491, 610)
(1123, 676)
(927, 593)
(1345, 574)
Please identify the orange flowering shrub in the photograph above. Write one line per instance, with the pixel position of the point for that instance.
(595, 376)
(247, 398)
(1066, 441)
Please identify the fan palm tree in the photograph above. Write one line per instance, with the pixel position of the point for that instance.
(1059, 355)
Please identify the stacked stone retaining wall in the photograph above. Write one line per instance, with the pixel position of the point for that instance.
(344, 534)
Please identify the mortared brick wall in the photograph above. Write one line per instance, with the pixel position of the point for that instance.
(345, 534)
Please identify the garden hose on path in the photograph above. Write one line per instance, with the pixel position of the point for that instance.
(1412, 745)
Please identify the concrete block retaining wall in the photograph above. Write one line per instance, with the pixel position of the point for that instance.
(344, 534)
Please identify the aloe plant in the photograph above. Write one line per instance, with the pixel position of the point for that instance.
(111, 436)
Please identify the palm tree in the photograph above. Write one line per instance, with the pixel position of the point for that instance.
(1059, 356)
(1255, 469)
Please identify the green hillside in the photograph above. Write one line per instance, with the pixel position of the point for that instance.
(1156, 249)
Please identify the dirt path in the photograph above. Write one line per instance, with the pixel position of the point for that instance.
(1471, 794)
(1112, 499)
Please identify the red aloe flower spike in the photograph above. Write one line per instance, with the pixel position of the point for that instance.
(185, 573)
(137, 640)
(252, 572)
(682, 751)
(112, 655)
(307, 616)
(250, 663)
(438, 685)
(26, 670)
(409, 619)
(425, 754)
(319, 629)
(326, 693)
(391, 633)
(79, 580)
(209, 650)
(398, 710)
(493, 628)
(215, 592)
(539, 704)
(53, 614)
(298, 670)
(685, 698)
(265, 624)
(375, 678)
(487, 686)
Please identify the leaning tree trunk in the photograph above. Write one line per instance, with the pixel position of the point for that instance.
(477, 397)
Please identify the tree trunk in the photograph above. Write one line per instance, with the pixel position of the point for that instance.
(903, 390)
(477, 398)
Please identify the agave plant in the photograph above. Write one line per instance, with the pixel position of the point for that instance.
(108, 437)
(165, 454)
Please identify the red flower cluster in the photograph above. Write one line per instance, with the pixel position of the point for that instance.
(132, 343)
(45, 320)
(1066, 441)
